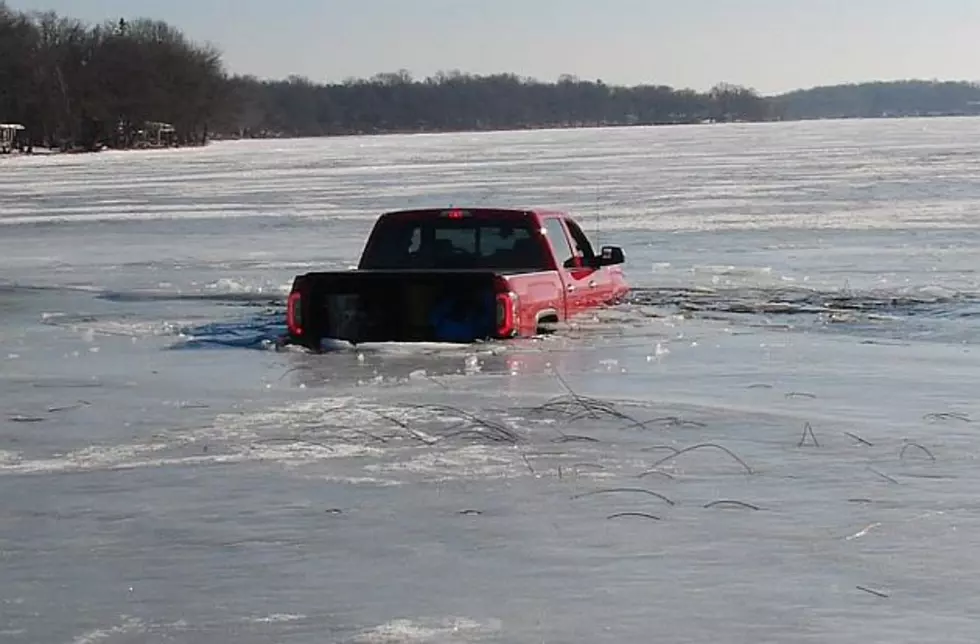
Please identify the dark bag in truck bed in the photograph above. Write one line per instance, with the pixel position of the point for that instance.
(397, 306)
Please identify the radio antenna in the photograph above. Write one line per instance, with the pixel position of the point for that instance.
(597, 216)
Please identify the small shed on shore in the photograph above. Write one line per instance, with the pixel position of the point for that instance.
(157, 134)
(12, 137)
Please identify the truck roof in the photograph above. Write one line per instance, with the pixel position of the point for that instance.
(466, 211)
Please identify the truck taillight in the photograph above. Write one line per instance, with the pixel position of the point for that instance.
(507, 321)
(294, 313)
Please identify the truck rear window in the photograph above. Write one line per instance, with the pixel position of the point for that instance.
(462, 244)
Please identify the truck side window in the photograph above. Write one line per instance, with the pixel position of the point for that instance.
(559, 242)
(582, 245)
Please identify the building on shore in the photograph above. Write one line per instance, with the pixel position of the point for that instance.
(13, 136)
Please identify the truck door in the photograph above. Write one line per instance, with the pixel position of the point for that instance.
(568, 266)
(597, 281)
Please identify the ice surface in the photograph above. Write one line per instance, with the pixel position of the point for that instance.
(774, 441)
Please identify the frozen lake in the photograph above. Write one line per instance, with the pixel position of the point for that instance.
(774, 441)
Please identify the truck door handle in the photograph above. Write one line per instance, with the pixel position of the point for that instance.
(571, 287)
(591, 283)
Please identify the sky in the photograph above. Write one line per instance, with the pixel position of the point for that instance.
(769, 45)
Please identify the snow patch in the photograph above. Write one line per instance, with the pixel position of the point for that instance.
(405, 631)
(130, 625)
(275, 618)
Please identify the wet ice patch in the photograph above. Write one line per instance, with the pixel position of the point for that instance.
(473, 461)
(230, 438)
(408, 631)
(227, 285)
(127, 627)
(398, 439)
(275, 618)
(360, 441)
(89, 327)
(354, 419)
(261, 330)
(107, 457)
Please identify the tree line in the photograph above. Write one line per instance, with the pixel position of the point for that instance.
(448, 101)
(142, 82)
(881, 99)
(118, 84)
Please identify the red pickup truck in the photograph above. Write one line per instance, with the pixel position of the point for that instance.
(457, 275)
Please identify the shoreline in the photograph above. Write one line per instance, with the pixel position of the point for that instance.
(530, 128)
(601, 126)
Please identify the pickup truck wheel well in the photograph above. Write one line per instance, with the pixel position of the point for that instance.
(544, 320)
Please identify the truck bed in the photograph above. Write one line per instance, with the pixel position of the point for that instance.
(376, 305)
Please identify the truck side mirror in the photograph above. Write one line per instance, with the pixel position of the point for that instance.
(611, 255)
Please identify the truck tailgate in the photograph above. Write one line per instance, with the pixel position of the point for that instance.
(395, 306)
